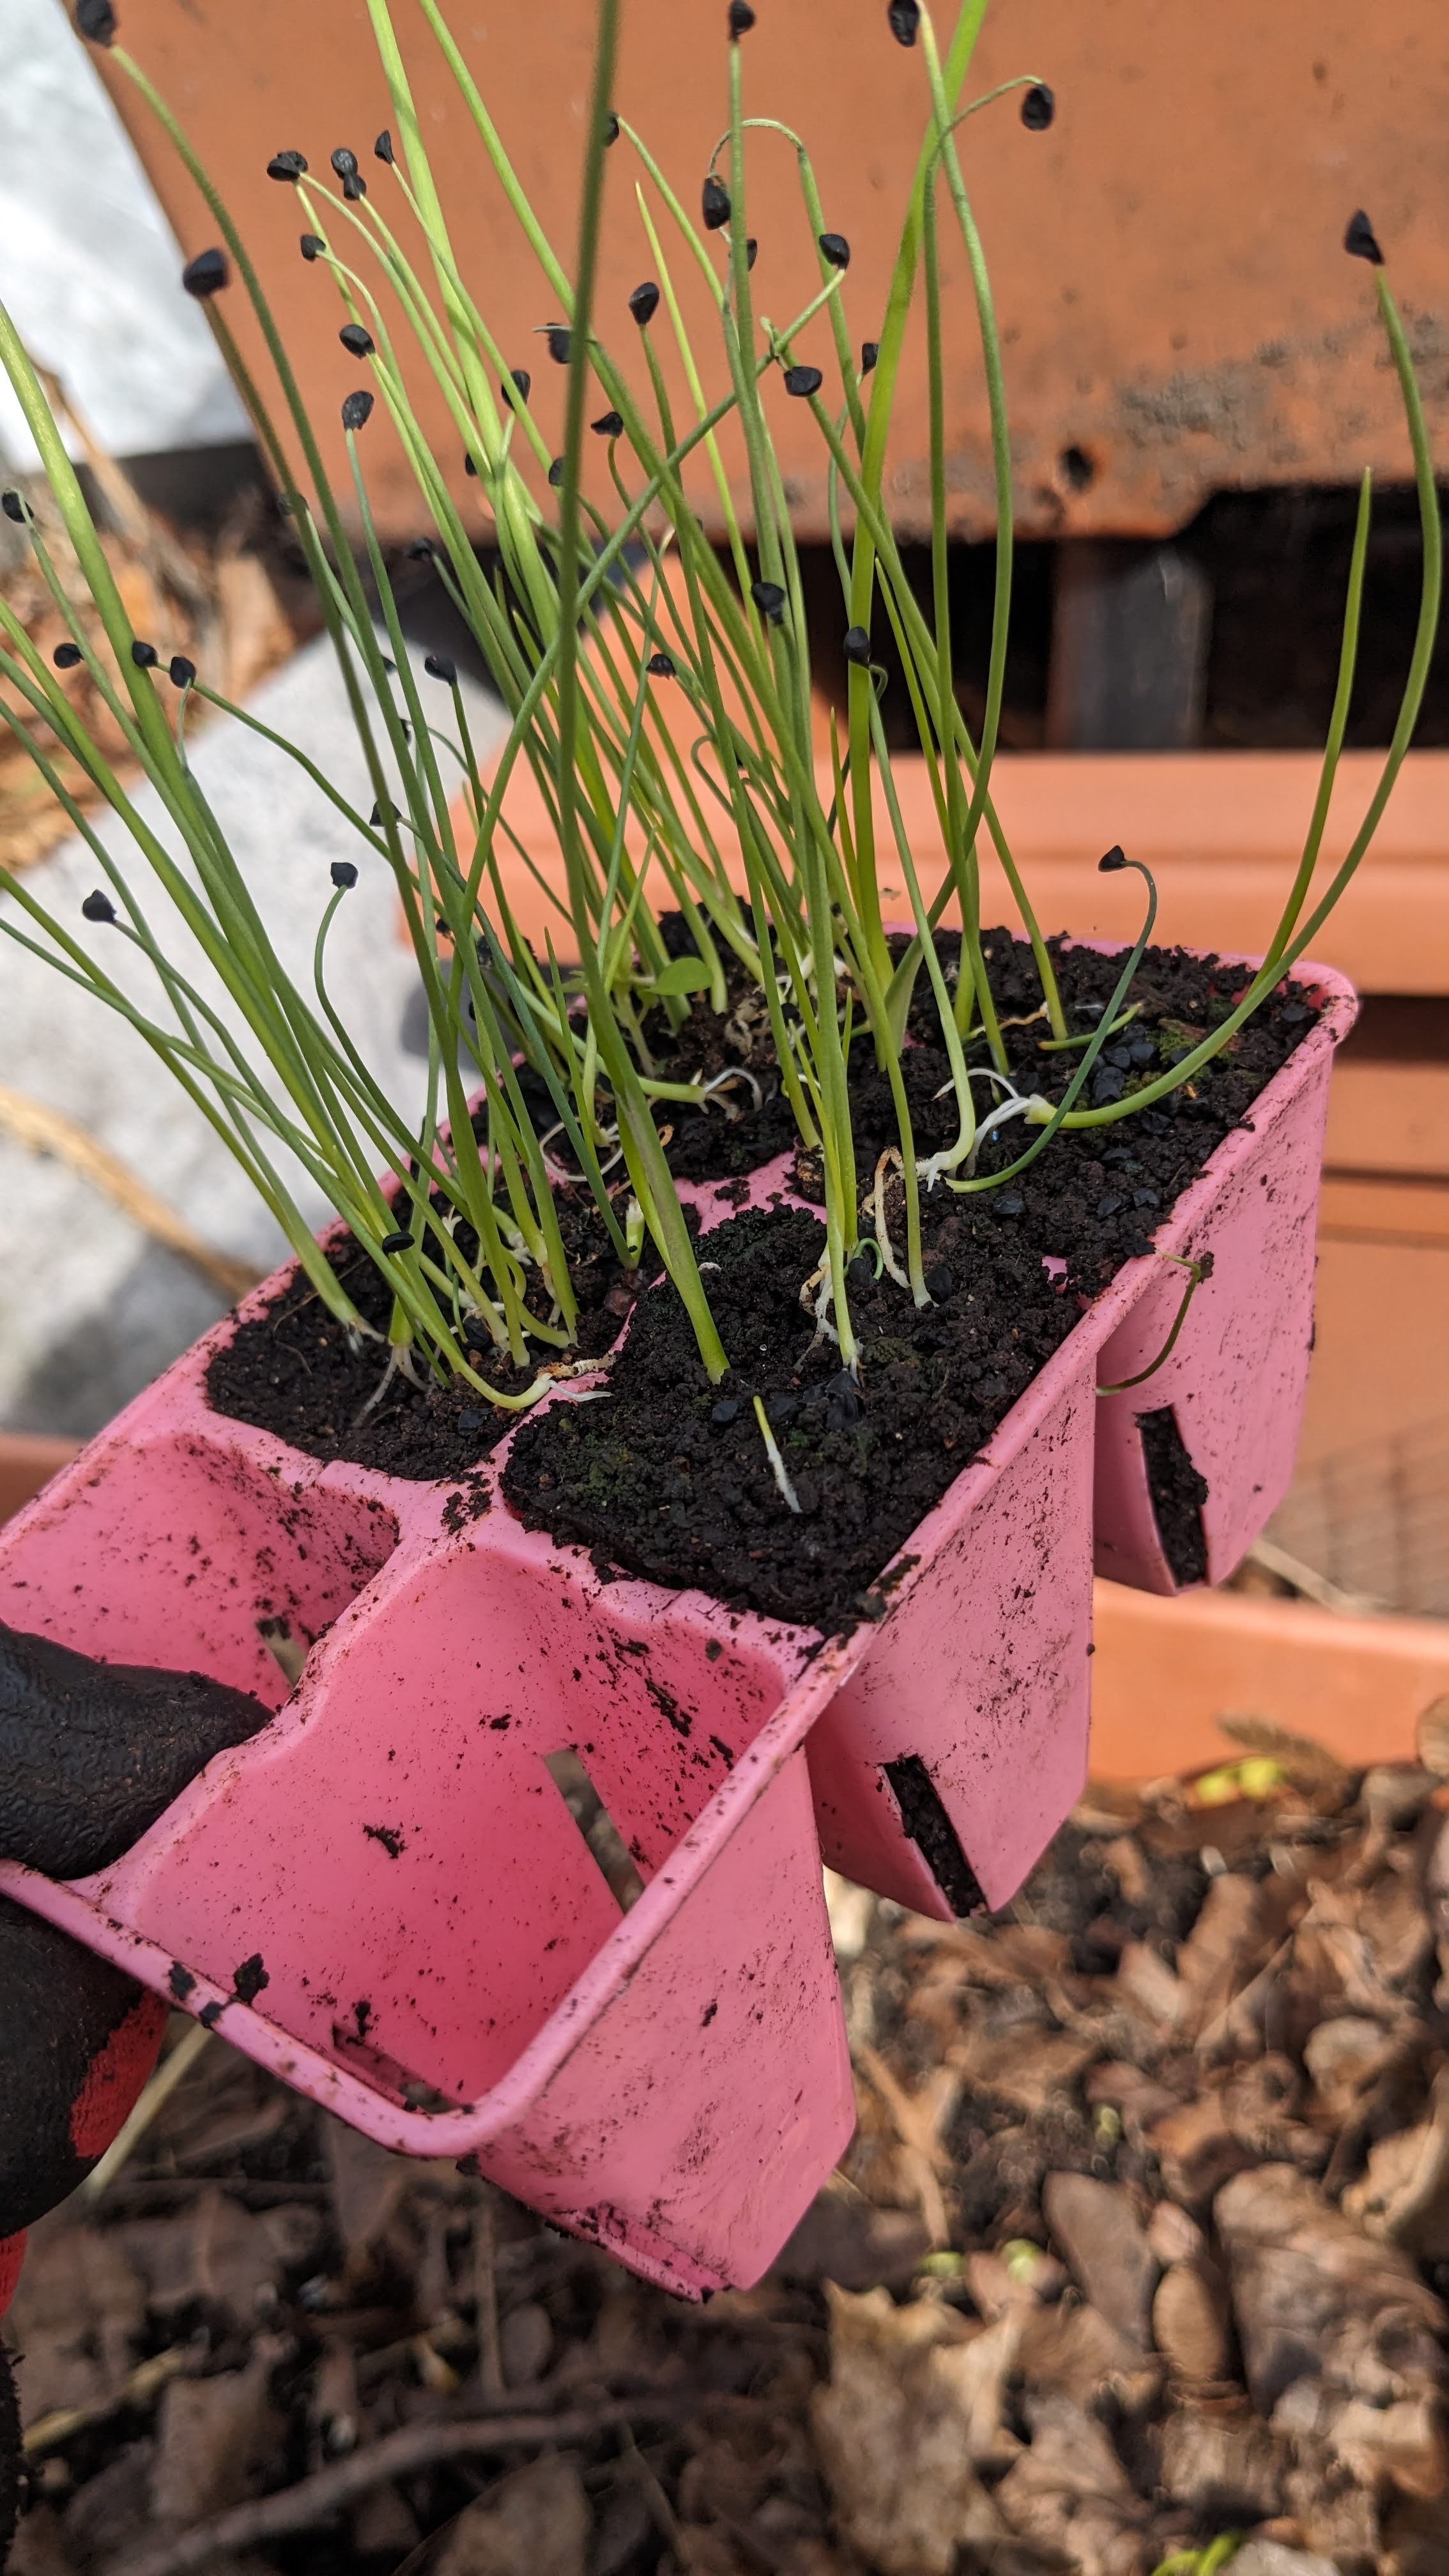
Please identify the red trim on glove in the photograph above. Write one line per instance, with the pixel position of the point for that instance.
(115, 2077)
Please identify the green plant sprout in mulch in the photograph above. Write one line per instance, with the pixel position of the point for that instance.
(596, 623)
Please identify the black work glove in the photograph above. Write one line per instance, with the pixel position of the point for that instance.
(90, 1755)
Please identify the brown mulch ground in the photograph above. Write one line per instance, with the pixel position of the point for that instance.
(1143, 2241)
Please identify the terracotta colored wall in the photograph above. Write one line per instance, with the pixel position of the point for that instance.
(1175, 303)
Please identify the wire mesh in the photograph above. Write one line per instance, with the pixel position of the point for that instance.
(1373, 1520)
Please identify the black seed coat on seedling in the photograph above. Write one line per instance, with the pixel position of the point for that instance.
(98, 907)
(357, 411)
(469, 466)
(344, 162)
(206, 275)
(557, 471)
(354, 188)
(644, 302)
(145, 656)
(741, 19)
(356, 341)
(1038, 108)
(439, 666)
(66, 656)
(420, 550)
(287, 165)
(905, 20)
(343, 872)
(560, 341)
(1360, 240)
(382, 148)
(752, 251)
(311, 244)
(661, 666)
(836, 249)
(869, 353)
(611, 129)
(400, 1242)
(1112, 860)
(14, 508)
(181, 671)
(96, 19)
(609, 424)
(857, 644)
(521, 382)
(803, 381)
(768, 597)
(714, 204)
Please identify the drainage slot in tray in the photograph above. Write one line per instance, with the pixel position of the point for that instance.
(605, 1842)
(1178, 1493)
(934, 1835)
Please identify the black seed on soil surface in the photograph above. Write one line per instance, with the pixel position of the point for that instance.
(940, 1282)
(1178, 1493)
(768, 597)
(358, 342)
(1038, 108)
(441, 666)
(1360, 240)
(1107, 1084)
(249, 1979)
(835, 250)
(311, 246)
(1007, 1203)
(935, 1837)
(287, 165)
(343, 873)
(206, 275)
(644, 302)
(610, 424)
(741, 18)
(398, 1241)
(382, 148)
(857, 644)
(727, 1410)
(66, 656)
(560, 341)
(181, 671)
(661, 666)
(357, 411)
(869, 355)
(473, 1419)
(803, 381)
(714, 204)
(98, 907)
(97, 20)
(180, 1981)
(905, 20)
(1109, 1205)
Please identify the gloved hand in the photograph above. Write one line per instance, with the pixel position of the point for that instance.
(90, 1754)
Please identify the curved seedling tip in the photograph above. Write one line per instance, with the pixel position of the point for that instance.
(288, 166)
(835, 249)
(714, 204)
(441, 666)
(1360, 240)
(145, 656)
(96, 20)
(358, 343)
(98, 907)
(904, 18)
(610, 424)
(1038, 108)
(181, 671)
(803, 381)
(769, 598)
(343, 873)
(857, 644)
(66, 656)
(644, 302)
(207, 274)
(1113, 859)
(357, 411)
(741, 19)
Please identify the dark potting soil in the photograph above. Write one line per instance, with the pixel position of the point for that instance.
(1178, 1492)
(667, 1476)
